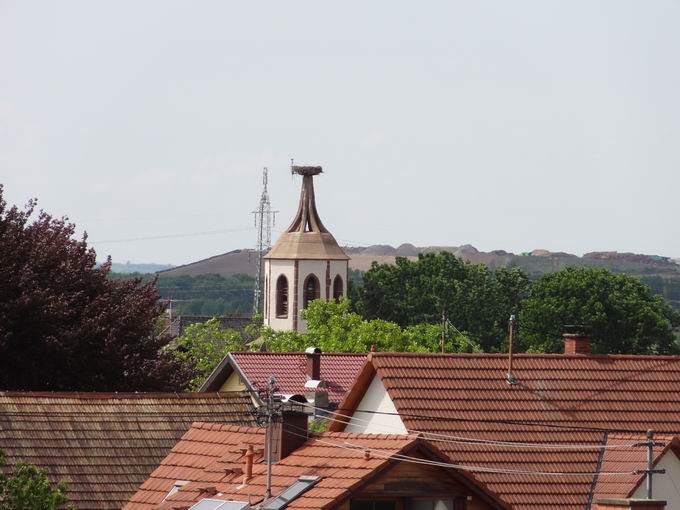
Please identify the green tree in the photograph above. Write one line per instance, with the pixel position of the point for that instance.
(202, 347)
(64, 325)
(333, 327)
(475, 299)
(623, 315)
(27, 488)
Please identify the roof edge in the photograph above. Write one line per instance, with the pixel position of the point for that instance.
(351, 401)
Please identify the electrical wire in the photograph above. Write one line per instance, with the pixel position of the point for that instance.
(172, 236)
(499, 421)
(445, 438)
(346, 445)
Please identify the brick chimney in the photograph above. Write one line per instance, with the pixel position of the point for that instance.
(576, 343)
(289, 433)
(625, 504)
(313, 363)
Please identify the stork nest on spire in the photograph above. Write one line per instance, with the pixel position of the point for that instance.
(306, 170)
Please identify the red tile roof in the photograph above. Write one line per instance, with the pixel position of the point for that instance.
(208, 454)
(625, 459)
(290, 371)
(105, 445)
(558, 399)
(205, 445)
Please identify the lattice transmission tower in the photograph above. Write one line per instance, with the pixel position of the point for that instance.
(265, 219)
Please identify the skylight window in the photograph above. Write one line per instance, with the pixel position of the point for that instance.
(220, 504)
(303, 484)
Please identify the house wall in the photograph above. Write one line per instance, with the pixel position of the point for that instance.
(376, 398)
(407, 481)
(233, 383)
(665, 486)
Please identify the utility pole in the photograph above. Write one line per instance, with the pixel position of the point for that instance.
(650, 444)
(270, 435)
(444, 328)
(511, 327)
(265, 219)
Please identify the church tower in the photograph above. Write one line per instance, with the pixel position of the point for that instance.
(306, 263)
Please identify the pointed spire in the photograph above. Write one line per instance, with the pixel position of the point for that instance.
(307, 237)
(307, 218)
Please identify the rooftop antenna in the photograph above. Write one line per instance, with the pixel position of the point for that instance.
(511, 327)
(265, 219)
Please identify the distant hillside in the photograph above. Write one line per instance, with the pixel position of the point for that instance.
(662, 274)
(226, 264)
(128, 268)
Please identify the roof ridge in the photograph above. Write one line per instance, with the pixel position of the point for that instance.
(523, 355)
(120, 395)
(225, 427)
(297, 353)
(361, 435)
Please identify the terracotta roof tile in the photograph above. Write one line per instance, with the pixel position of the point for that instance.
(105, 445)
(558, 399)
(204, 445)
(340, 468)
(323, 455)
(289, 369)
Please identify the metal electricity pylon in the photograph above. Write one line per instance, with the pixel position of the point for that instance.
(265, 219)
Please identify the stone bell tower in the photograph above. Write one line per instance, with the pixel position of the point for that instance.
(306, 263)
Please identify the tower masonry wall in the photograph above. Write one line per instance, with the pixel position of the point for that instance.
(272, 270)
(324, 270)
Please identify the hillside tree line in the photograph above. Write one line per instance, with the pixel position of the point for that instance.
(65, 324)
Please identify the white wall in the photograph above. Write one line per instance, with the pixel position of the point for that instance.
(318, 268)
(376, 399)
(339, 267)
(305, 268)
(666, 486)
(273, 269)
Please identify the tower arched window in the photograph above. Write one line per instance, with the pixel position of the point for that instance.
(312, 289)
(282, 297)
(337, 287)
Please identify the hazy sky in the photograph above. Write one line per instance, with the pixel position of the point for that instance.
(507, 125)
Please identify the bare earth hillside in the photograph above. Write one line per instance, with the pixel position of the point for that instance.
(661, 273)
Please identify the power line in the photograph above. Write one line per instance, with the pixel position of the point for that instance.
(172, 236)
(346, 445)
(500, 421)
(445, 438)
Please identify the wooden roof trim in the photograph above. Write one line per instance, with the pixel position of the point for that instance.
(350, 491)
(351, 401)
(466, 478)
(219, 374)
(432, 453)
(222, 372)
